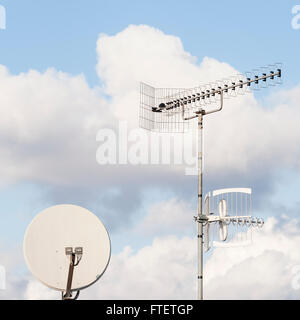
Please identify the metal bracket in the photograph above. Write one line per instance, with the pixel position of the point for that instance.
(201, 219)
(77, 253)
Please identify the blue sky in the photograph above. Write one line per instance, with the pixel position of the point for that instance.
(47, 33)
(63, 35)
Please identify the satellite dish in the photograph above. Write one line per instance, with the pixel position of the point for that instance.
(67, 248)
(223, 229)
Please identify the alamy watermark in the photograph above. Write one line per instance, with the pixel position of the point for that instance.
(296, 19)
(2, 278)
(2, 17)
(139, 147)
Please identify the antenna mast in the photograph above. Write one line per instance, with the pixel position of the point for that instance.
(168, 110)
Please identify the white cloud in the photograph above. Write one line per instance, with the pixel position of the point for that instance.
(167, 217)
(163, 270)
(49, 120)
(167, 269)
(48, 128)
(143, 53)
(35, 290)
(245, 137)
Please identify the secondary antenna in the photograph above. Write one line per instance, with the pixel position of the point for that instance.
(229, 207)
(170, 109)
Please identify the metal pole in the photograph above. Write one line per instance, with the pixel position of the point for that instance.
(68, 294)
(200, 221)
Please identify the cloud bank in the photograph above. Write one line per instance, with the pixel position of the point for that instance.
(49, 121)
(166, 269)
(48, 128)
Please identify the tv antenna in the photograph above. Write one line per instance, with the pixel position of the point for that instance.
(170, 109)
(67, 248)
(224, 207)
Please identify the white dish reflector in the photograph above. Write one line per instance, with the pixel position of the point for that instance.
(60, 227)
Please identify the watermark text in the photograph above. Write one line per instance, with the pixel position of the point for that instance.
(137, 147)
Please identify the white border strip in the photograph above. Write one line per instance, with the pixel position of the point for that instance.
(241, 190)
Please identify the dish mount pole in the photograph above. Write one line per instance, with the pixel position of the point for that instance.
(74, 255)
(68, 294)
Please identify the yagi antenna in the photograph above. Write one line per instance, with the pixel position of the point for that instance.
(170, 109)
(67, 248)
(166, 110)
